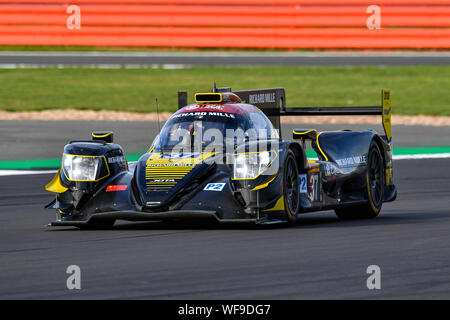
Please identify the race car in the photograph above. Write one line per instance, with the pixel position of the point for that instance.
(223, 159)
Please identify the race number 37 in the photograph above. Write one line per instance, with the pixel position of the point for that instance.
(214, 187)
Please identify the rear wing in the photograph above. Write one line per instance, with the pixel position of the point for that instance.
(272, 102)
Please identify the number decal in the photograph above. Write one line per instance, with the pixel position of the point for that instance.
(214, 187)
(314, 191)
(303, 184)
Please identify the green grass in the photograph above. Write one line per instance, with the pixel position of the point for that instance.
(415, 89)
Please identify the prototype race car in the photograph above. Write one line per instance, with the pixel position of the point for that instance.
(223, 158)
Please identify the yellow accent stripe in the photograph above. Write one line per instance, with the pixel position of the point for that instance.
(102, 136)
(161, 183)
(169, 176)
(387, 111)
(173, 163)
(168, 172)
(318, 145)
(168, 169)
(264, 185)
(279, 205)
(388, 176)
(304, 132)
(158, 187)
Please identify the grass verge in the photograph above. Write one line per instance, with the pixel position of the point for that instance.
(415, 89)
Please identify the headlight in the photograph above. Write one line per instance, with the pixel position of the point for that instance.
(82, 168)
(251, 165)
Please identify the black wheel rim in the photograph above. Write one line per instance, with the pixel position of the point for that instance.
(375, 178)
(291, 185)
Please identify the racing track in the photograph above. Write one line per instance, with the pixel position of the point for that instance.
(180, 59)
(321, 257)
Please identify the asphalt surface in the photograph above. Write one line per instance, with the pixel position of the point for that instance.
(35, 139)
(111, 59)
(321, 257)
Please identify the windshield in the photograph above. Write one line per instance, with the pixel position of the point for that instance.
(188, 132)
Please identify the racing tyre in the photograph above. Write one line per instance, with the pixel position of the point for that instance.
(291, 187)
(375, 188)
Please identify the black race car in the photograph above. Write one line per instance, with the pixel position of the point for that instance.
(223, 158)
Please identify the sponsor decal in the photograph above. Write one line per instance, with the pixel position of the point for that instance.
(351, 161)
(118, 159)
(214, 186)
(262, 98)
(204, 113)
(119, 187)
(303, 183)
(206, 106)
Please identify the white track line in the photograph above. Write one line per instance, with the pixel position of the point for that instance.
(24, 172)
(99, 66)
(421, 156)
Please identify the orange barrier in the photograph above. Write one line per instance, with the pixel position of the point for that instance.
(229, 23)
(227, 37)
(250, 2)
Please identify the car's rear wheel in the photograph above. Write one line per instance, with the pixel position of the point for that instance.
(375, 176)
(291, 187)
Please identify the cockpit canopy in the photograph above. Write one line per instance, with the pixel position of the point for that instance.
(202, 125)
